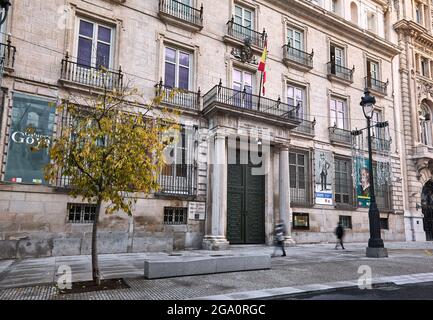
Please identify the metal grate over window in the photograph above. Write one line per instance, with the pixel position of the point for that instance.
(81, 212)
(175, 215)
(346, 222)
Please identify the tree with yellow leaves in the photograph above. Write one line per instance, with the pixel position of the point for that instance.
(110, 148)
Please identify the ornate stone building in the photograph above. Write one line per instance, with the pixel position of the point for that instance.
(414, 28)
(248, 158)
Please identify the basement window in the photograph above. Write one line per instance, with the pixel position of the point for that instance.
(81, 212)
(175, 215)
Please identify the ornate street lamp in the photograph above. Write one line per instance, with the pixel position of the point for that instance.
(4, 6)
(376, 248)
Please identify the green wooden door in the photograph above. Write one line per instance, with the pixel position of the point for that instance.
(245, 205)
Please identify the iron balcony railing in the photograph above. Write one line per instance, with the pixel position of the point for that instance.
(340, 71)
(376, 85)
(340, 135)
(242, 33)
(178, 179)
(298, 56)
(178, 97)
(306, 127)
(248, 101)
(182, 11)
(380, 144)
(7, 55)
(91, 76)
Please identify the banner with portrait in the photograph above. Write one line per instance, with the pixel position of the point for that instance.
(324, 177)
(32, 122)
(362, 181)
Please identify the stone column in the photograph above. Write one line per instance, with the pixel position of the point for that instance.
(284, 191)
(216, 240)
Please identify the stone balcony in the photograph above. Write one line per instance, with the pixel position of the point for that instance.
(296, 58)
(247, 105)
(340, 74)
(181, 15)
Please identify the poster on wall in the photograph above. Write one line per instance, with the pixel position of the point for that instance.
(324, 168)
(32, 122)
(362, 178)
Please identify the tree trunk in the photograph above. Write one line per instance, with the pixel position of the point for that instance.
(95, 265)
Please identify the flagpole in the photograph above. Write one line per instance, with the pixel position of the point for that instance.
(260, 91)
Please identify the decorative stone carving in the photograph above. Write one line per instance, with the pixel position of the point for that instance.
(245, 53)
(424, 89)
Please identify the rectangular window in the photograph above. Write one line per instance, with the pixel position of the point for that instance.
(295, 38)
(244, 17)
(337, 55)
(376, 118)
(384, 224)
(301, 221)
(177, 69)
(383, 191)
(424, 67)
(81, 212)
(94, 45)
(418, 15)
(373, 70)
(178, 173)
(299, 173)
(338, 113)
(343, 182)
(295, 96)
(32, 121)
(243, 85)
(346, 221)
(175, 215)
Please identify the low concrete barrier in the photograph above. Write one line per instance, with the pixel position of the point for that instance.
(176, 266)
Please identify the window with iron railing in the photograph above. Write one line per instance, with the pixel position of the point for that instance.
(299, 171)
(182, 10)
(343, 182)
(175, 215)
(81, 212)
(178, 176)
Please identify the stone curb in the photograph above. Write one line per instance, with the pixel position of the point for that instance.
(269, 294)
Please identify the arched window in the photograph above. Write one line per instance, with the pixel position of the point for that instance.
(426, 123)
(354, 12)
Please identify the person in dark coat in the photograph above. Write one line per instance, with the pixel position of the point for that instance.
(279, 233)
(339, 232)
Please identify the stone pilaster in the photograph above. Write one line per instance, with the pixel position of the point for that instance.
(284, 186)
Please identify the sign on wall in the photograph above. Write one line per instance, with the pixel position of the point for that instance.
(362, 178)
(196, 210)
(324, 177)
(32, 122)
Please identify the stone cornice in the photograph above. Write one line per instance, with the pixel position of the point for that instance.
(338, 25)
(415, 31)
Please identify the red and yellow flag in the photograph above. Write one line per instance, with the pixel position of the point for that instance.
(262, 66)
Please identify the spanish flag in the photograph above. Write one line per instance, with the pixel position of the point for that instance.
(262, 65)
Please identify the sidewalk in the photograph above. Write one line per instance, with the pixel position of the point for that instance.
(304, 265)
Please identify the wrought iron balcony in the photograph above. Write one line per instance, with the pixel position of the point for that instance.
(376, 85)
(299, 57)
(337, 72)
(251, 105)
(380, 144)
(7, 55)
(338, 135)
(175, 11)
(100, 78)
(306, 127)
(178, 179)
(175, 97)
(242, 33)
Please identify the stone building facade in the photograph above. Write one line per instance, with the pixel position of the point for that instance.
(414, 28)
(322, 54)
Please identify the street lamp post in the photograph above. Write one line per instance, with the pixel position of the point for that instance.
(4, 6)
(376, 248)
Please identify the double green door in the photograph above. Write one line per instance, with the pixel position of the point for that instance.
(245, 205)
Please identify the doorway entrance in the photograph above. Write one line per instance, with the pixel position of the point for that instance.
(427, 209)
(245, 204)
